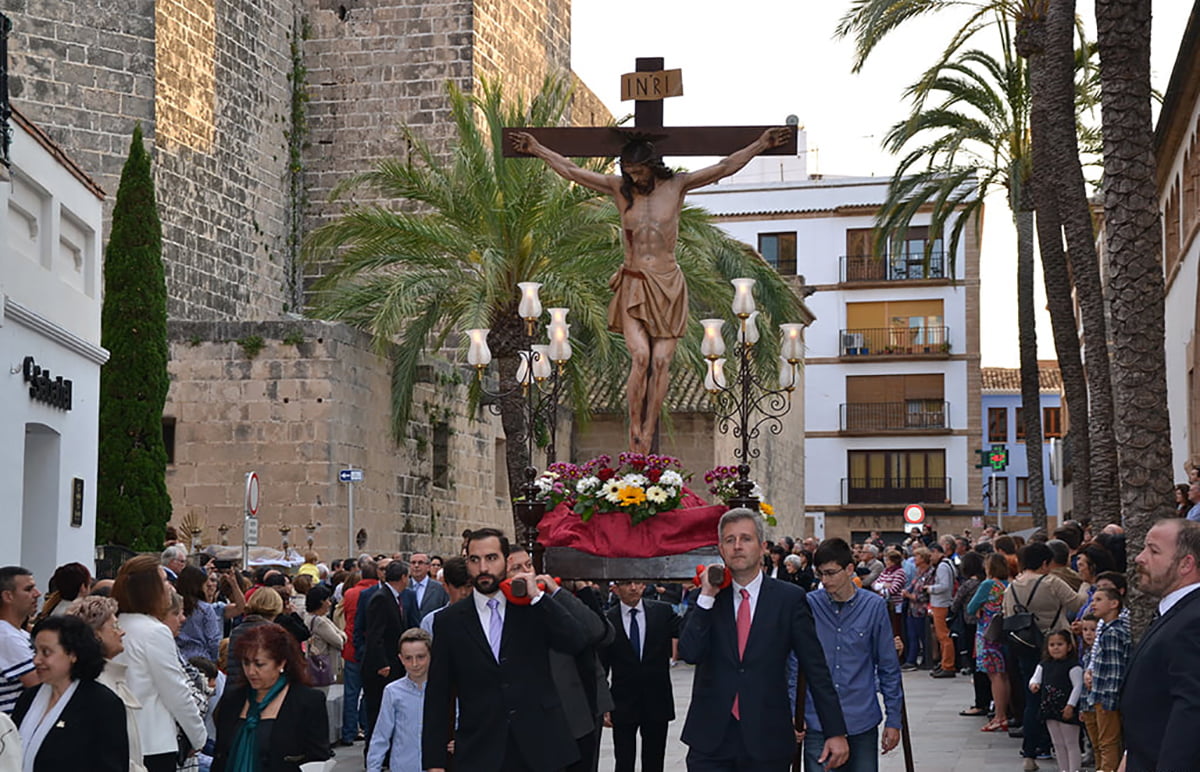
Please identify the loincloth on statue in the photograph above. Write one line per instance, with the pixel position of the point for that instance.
(658, 300)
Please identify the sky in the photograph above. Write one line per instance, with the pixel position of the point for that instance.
(755, 62)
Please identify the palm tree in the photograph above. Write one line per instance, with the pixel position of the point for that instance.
(1045, 34)
(1133, 243)
(970, 122)
(868, 22)
(469, 227)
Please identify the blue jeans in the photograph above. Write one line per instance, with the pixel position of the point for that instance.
(864, 752)
(351, 688)
(914, 628)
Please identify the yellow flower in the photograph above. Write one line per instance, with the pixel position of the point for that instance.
(766, 509)
(631, 495)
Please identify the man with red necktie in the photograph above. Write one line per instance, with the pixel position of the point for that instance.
(739, 638)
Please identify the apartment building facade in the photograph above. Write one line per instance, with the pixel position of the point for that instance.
(892, 397)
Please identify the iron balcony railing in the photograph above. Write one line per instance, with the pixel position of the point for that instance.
(915, 414)
(893, 267)
(888, 341)
(884, 490)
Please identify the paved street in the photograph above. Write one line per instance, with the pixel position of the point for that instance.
(943, 741)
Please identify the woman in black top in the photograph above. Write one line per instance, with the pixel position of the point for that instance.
(274, 721)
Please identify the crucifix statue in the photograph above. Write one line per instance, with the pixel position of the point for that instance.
(650, 302)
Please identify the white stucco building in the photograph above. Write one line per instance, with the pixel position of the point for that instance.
(1177, 154)
(50, 295)
(892, 391)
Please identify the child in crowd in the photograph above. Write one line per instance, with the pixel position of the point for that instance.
(1087, 711)
(1104, 675)
(1059, 680)
(400, 715)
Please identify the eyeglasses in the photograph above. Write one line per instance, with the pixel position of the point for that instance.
(830, 573)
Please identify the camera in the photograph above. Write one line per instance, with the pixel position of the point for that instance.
(223, 565)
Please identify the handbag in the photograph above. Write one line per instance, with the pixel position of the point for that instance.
(994, 632)
(1021, 628)
(320, 668)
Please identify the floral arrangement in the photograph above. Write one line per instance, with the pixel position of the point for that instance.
(720, 482)
(642, 485)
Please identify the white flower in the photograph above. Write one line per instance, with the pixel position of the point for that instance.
(671, 478)
(587, 484)
(544, 484)
(634, 479)
(611, 490)
(656, 495)
(757, 492)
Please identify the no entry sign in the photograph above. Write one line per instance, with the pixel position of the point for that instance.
(914, 514)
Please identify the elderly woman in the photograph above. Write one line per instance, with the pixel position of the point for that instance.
(274, 721)
(155, 676)
(791, 569)
(70, 721)
(100, 614)
(917, 595)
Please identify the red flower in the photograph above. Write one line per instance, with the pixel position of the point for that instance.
(605, 474)
(637, 462)
(654, 475)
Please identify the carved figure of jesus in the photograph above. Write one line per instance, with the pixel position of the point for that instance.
(650, 302)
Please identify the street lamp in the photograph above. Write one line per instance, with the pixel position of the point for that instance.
(742, 400)
(539, 378)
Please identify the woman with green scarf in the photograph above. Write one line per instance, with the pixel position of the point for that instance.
(273, 721)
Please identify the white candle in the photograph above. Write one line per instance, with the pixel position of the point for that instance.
(478, 353)
(743, 297)
(748, 334)
(792, 345)
(560, 341)
(712, 345)
(531, 306)
(541, 362)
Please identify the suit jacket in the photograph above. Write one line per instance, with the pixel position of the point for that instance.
(641, 688)
(91, 726)
(435, 597)
(513, 695)
(360, 617)
(782, 624)
(1160, 701)
(575, 676)
(384, 624)
(300, 733)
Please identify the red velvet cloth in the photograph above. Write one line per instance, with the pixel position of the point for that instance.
(613, 535)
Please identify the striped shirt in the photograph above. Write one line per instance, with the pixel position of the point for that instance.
(16, 659)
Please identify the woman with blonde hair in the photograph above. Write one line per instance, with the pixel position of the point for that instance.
(154, 674)
(262, 608)
(100, 614)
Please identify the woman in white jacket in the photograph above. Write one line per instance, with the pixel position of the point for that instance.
(154, 673)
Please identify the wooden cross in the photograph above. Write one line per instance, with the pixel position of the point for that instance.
(649, 85)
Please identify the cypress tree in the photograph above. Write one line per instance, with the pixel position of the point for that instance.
(132, 502)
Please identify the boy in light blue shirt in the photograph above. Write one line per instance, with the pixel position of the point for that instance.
(400, 714)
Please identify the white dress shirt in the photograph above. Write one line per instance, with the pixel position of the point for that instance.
(755, 585)
(1171, 598)
(627, 618)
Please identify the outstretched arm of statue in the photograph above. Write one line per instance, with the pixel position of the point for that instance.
(771, 138)
(524, 142)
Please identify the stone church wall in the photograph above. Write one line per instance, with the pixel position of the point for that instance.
(313, 399)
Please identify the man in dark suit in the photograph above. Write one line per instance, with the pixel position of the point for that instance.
(430, 594)
(1160, 699)
(388, 614)
(739, 639)
(640, 662)
(579, 678)
(491, 655)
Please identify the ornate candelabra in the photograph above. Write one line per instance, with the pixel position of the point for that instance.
(310, 529)
(539, 380)
(741, 399)
(223, 529)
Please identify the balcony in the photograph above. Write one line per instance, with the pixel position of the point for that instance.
(914, 415)
(869, 268)
(895, 341)
(881, 490)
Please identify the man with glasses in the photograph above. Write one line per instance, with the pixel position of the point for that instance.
(431, 594)
(853, 627)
